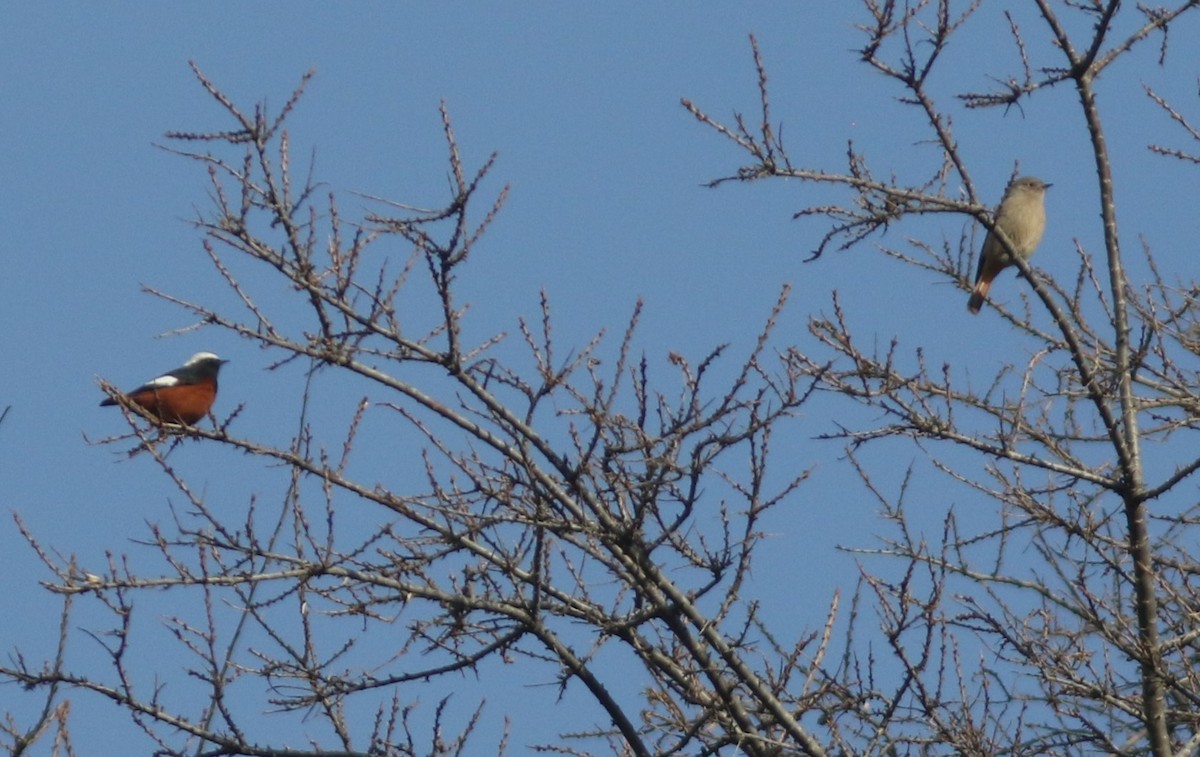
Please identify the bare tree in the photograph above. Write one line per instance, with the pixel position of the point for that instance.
(575, 510)
(556, 520)
(1093, 649)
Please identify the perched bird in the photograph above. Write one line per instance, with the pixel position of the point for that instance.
(183, 395)
(1022, 218)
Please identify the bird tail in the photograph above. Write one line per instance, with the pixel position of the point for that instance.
(977, 294)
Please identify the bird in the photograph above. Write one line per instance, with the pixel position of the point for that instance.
(1022, 218)
(182, 396)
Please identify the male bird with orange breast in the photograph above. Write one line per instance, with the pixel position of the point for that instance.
(183, 395)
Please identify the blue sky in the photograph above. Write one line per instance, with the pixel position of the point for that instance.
(606, 206)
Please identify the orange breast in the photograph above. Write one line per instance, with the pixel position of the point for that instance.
(178, 404)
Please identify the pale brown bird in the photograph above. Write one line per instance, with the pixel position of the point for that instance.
(1022, 218)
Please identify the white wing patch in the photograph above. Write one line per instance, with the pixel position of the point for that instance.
(162, 382)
